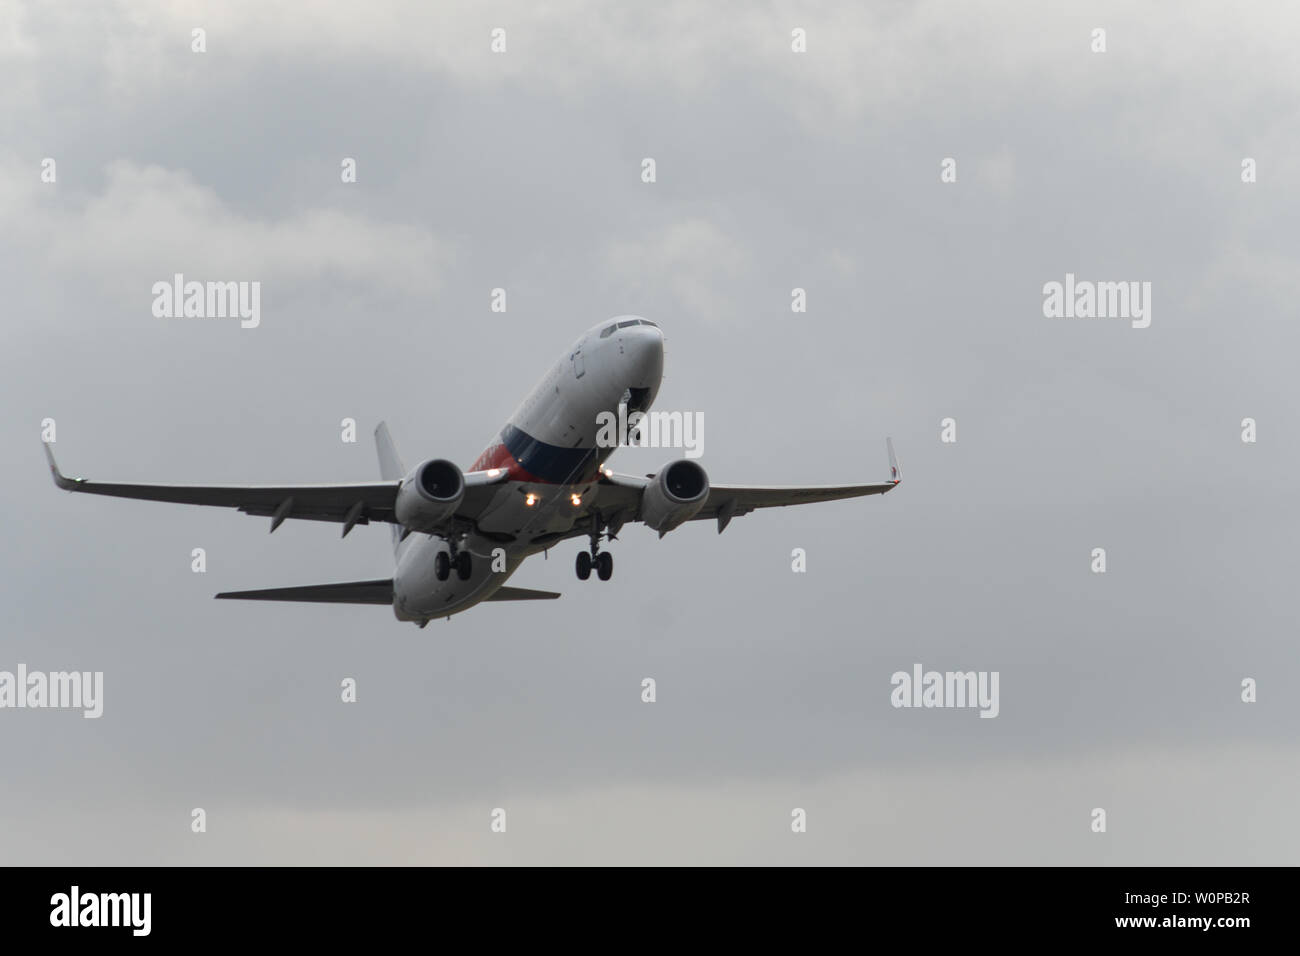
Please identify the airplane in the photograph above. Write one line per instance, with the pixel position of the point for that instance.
(458, 536)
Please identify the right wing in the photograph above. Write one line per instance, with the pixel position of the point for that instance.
(348, 504)
(622, 493)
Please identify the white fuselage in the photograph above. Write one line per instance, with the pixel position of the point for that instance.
(548, 448)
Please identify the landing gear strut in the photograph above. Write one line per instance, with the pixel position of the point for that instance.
(602, 561)
(444, 561)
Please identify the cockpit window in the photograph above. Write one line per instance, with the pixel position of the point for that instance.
(624, 324)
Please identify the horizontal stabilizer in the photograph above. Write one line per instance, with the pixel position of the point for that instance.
(349, 592)
(523, 594)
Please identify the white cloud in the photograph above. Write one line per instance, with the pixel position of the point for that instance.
(149, 222)
(997, 171)
(694, 258)
(860, 58)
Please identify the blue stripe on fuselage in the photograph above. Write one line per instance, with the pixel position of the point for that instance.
(545, 462)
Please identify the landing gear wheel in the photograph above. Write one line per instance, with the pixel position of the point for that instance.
(583, 565)
(463, 566)
(604, 565)
(441, 566)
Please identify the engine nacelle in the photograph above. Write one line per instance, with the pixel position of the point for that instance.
(674, 495)
(430, 495)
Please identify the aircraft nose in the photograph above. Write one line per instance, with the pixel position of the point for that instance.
(643, 351)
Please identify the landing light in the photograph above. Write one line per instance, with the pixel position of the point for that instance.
(576, 499)
(493, 472)
(530, 499)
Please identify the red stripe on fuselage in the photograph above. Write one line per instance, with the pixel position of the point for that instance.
(498, 456)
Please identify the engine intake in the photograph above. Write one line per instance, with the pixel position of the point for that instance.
(675, 495)
(430, 495)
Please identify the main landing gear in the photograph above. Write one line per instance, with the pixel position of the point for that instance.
(444, 561)
(602, 561)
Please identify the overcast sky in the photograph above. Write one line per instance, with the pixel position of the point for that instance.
(775, 170)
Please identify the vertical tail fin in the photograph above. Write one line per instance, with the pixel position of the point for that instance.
(390, 466)
(390, 462)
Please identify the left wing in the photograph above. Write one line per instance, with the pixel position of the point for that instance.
(727, 501)
(349, 504)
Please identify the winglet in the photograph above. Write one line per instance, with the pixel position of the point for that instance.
(894, 474)
(67, 484)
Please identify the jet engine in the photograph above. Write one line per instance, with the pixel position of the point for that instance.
(430, 495)
(675, 494)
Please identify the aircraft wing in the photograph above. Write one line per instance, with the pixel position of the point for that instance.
(349, 504)
(728, 501)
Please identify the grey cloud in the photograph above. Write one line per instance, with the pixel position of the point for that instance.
(774, 172)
